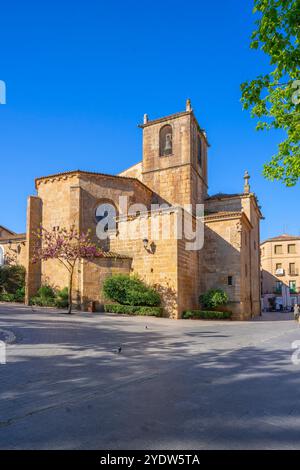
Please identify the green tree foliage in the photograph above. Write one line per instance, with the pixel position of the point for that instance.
(274, 97)
(12, 278)
(130, 290)
(213, 298)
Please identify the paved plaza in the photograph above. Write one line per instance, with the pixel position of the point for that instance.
(176, 384)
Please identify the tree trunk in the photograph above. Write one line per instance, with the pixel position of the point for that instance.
(70, 291)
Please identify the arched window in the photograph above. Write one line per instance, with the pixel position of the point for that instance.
(199, 151)
(1, 256)
(165, 141)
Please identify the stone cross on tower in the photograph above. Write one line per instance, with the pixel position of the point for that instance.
(246, 184)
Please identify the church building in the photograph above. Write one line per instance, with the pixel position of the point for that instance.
(171, 176)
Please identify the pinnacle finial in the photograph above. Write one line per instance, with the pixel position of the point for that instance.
(246, 184)
(145, 118)
(188, 105)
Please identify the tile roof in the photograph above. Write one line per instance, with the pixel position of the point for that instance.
(14, 237)
(283, 237)
(91, 173)
(7, 229)
(111, 254)
(224, 195)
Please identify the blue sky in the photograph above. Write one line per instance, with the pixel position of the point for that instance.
(80, 76)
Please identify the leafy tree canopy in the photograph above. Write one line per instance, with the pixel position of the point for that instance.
(274, 98)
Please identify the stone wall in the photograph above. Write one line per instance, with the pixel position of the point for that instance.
(92, 275)
(15, 251)
(225, 203)
(228, 252)
(222, 258)
(188, 278)
(33, 270)
(135, 171)
(157, 263)
(72, 199)
(251, 209)
(177, 178)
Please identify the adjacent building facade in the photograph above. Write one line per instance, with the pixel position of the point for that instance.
(280, 260)
(171, 177)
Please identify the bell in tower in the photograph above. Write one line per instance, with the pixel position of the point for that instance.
(168, 144)
(165, 141)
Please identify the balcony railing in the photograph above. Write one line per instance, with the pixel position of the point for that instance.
(278, 291)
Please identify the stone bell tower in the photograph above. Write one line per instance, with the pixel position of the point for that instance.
(175, 157)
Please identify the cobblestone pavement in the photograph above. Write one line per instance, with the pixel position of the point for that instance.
(176, 384)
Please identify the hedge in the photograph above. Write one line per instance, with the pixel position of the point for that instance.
(133, 310)
(206, 315)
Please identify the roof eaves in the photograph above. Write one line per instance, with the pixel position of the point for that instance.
(91, 173)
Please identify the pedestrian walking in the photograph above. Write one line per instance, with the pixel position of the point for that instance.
(296, 312)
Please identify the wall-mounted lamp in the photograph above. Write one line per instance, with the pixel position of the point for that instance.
(149, 247)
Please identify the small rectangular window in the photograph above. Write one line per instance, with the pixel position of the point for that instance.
(278, 266)
(292, 286)
(278, 250)
(278, 287)
(291, 249)
(292, 269)
(230, 280)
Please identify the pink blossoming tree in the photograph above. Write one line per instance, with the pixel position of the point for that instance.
(67, 246)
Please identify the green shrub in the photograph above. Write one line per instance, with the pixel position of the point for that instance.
(61, 303)
(207, 314)
(130, 290)
(63, 294)
(6, 297)
(46, 292)
(213, 298)
(47, 297)
(133, 310)
(12, 278)
(19, 296)
(62, 298)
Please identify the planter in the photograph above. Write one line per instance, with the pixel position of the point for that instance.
(91, 307)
